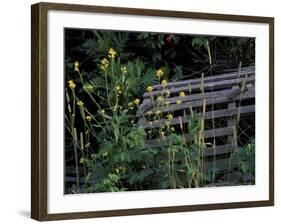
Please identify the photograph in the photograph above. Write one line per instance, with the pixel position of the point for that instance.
(157, 111)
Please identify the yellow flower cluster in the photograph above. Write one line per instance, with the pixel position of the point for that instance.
(88, 118)
(164, 83)
(137, 101)
(168, 93)
(111, 53)
(131, 105)
(149, 89)
(104, 64)
(76, 66)
(160, 99)
(167, 103)
(182, 94)
(82, 160)
(170, 117)
(159, 73)
(124, 69)
(80, 103)
(71, 84)
(178, 102)
(102, 111)
(118, 89)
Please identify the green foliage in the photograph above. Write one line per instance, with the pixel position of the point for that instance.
(199, 41)
(244, 159)
(102, 41)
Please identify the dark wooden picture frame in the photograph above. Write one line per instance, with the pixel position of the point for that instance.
(39, 192)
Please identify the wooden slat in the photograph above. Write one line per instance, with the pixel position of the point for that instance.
(220, 150)
(220, 164)
(70, 170)
(196, 87)
(214, 78)
(148, 103)
(70, 179)
(207, 134)
(208, 115)
(207, 86)
(218, 100)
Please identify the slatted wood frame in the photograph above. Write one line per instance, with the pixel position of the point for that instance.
(218, 89)
(223, 89)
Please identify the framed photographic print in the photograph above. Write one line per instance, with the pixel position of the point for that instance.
(138, 111)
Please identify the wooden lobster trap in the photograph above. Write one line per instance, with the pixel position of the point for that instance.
(226, 103)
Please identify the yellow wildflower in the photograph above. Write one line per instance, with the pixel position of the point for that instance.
(104, 63)
(71, 84)
(160, 99)
(149, 89)
(170, 117)
(158, 112)
(88, 87)
(76, 66)
(172, 129)
(88, 118)
(164, 83)
(137, 101)
(117, 88)
(159, 73)
(168, 93)
(181, 93)
(124, 69)
(131, 105)
(111, 53)
(82, 160)
(167, 103)
(102, 111)
(80, 103)
(178, 102)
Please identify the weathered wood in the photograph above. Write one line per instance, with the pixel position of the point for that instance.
(208, 115)
(218, 100)
(213, 78)
(232, 121)
(207, 86)
(148, 103)
(207, 134)
(219, 150)
(220, 164)
(70, 170)
(70, 179)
